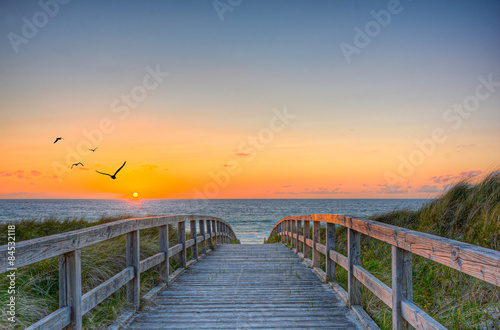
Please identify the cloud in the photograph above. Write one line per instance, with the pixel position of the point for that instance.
(309, 191)
(428, 189)
(242, 154)
(36, 173)
(392, 189)
(226, 165)
(366, 185)
(3, 174)
(287, 186)
(471, 174)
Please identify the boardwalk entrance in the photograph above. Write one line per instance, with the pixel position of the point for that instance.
(245, 286)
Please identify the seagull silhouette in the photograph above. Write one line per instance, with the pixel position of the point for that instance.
(77, 165)
(93, 149)
(114, 175)
(57, 139)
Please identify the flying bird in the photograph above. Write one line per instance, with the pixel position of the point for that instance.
(93, 149)
(114, 175)
(77, 164)
(57, 139)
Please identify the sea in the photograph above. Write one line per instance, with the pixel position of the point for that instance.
(251, 219)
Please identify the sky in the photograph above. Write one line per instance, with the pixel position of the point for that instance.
(247, 99)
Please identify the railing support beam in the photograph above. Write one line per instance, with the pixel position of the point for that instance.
(299, 232)
(164, 246)
(401, 285)
(194, 235)
(353, 256)
(203, 244)
(134, 286)
(316, 239)
(330, 245)
(181, 234)
(70, 286)
(307, 249)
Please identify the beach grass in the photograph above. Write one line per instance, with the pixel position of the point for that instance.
(466, 212)
(38, 284)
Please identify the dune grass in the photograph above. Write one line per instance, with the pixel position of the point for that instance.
(38, 284)
(467, 212)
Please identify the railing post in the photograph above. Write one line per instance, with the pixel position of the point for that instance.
(70, 286)
(214, 232)
(353, 257)
(209, 232)
(203, 246)
(288, 239)
(330, 245)
(299, 232)
(280, 231)
(181, 234)
(292, 229)
(307, 249)
(316, 236)
(134, 286)
(194, 235)
(402, 288)
(164, 245)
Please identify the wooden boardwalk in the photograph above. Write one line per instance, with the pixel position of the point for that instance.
(247, 286)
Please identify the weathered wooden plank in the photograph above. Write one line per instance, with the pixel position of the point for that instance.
(164, 248)
(194, 237)
(476, 261)
(56, 320)
(402, 288)
(316, 238)
(299, 235)
(330, 246)
(418, 318)
(382, 291)
(306, 246)
(104, 290)
(203, 244)
(367, 321)
(74, 287)
(353, 258)
(150, 262)
(321, 248)
(339, 259)
(181, 238)
(38, 249)
(133, 260)
(189, 243)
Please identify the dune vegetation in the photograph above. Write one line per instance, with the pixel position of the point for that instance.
(466, 212)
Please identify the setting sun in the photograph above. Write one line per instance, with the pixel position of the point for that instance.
(135, 195)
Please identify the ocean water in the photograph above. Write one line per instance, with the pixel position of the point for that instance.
(251, 219)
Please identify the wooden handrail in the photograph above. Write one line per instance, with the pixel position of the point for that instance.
(72, 305)
(473, 260)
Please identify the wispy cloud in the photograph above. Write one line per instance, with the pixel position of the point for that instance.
(447, 178)
(390, 189)
(36, 173)
(242, 154)
(428, 189)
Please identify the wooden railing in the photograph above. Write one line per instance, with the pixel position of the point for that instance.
(72, 304)
(476, 261)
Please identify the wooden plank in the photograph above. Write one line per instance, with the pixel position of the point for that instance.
(56, 320)
(402, 288)
(38, 249)
(74, 287)
(181, 238)
(189, 243)
(209, 234)
(321, 248)
(63, 286)
(476, 261)
(382, 291)
(292, 230)
(339, 259)
(367, 321)
(133, 260)
(299, 235)
(330, 246)
(418, 318)
(104, 290)
(203, 244)
(150, 262)
(214, 233)
(175, 249)
(306, 249)
(353, 258)
(316, 239)
(194, 236)
(164, 248)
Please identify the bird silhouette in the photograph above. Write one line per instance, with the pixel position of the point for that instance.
(114, 175)
(93, 149)
(77, 164)
(57, 139)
